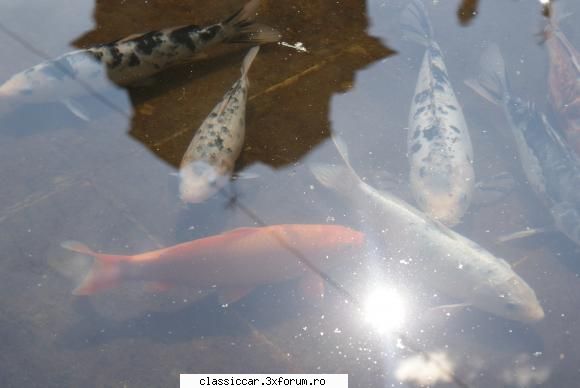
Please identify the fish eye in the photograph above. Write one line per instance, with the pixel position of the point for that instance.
(512, 306)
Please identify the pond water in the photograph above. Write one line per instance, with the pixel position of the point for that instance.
(109, 181)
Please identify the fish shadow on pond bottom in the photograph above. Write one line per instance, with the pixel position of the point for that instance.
(480, 329)
(264, 307)
(201, 319)
(32, 119)
(555, 244)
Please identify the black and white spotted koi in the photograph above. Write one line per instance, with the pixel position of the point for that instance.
(127, 60)
(209, 161)
(439, 146)
(550, 164)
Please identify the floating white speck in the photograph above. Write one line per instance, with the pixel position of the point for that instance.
(298, 46)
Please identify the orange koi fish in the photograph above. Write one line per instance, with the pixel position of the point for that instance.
(234, 262)
(564, 82)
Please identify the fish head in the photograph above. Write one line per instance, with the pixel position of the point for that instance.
(330, 239)
(446, 209)
(444, 205)
(341, 236)
(511, 298)
(200, 180)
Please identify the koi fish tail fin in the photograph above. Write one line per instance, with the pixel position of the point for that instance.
(104, 274)
(241, 28)
(250, 56)
(416, 24)
(339, 178)
(491, 83)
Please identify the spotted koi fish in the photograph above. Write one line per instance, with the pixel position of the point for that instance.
(127, 60)
(551, 166)
(439, 146)
(232, 263)
(210, 158)
(564, 81)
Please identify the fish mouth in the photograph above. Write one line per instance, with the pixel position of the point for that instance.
(193, 198)
(447, 215)
(536, 313)
(445, 208)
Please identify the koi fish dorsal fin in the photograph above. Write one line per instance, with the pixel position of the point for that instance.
(240, 232)
(77, 247)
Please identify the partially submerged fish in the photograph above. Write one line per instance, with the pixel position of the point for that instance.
(564, 82)
(439, 146)
(233, 262)
(429, 252)
(211, 156)
(125, 61)
(549, 163)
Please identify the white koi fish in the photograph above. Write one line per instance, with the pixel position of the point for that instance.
(125, 61)
(434, 254)
(439, 147)
(211, 156)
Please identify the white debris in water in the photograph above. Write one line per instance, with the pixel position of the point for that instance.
(426, 369)
(524, 373)
(298, 46)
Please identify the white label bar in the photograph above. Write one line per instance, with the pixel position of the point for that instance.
(263, 380)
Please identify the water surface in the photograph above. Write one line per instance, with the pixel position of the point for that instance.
(107, 182)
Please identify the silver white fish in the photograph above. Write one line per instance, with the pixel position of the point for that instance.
(549, 163)
(211, 156)
(434, 254)
(439, 147)
(126, 61)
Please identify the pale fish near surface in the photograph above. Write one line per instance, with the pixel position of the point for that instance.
(439, 147)
(126, 61)
(232, 263)
(209, 161)
(433, 254)
(551, 166)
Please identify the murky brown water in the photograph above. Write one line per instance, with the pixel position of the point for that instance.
(107, 183)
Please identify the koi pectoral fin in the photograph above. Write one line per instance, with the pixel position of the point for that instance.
(233, 294)
(312, 286)
(244, 175)
(76, 109)
(449, 308)
(526, 233)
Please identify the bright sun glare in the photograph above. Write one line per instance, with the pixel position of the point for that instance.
(385, 310)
